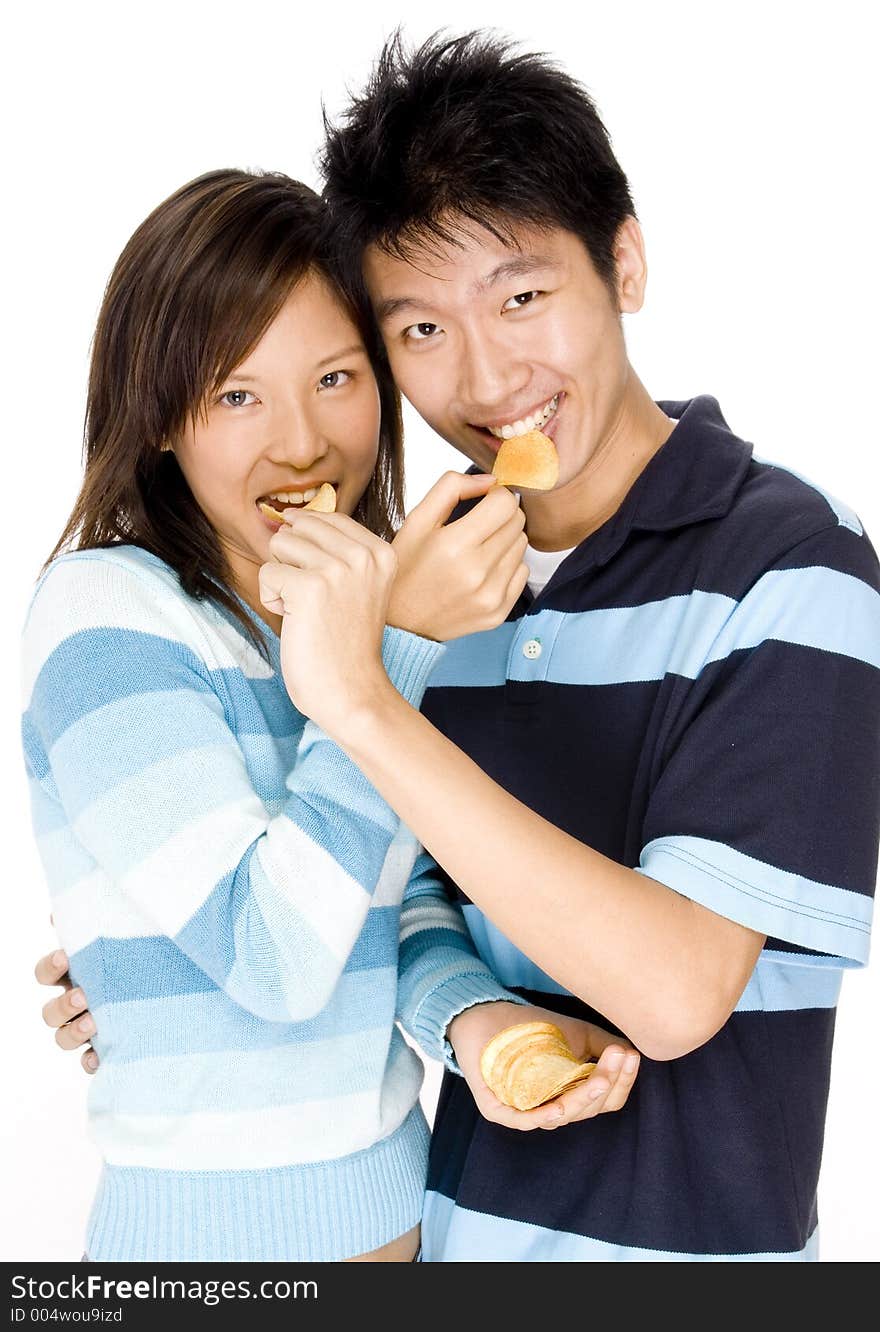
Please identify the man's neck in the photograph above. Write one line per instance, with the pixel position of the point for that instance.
(563, 518)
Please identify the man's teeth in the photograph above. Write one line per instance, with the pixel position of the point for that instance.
(294, 496)
(533, 422)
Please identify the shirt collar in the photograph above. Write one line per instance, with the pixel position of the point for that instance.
(696, 474)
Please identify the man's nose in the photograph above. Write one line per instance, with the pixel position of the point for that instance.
(491, 375)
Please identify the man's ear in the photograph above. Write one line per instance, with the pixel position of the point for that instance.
(631, 267)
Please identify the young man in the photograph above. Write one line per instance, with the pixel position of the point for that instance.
(671, 817)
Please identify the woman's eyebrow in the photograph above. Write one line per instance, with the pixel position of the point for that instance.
(351, 350)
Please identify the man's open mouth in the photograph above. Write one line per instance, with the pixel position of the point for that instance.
(535, 420)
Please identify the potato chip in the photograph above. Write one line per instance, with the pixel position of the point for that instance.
(529, 461)
(530, 1063)
(274, 514)
(324, 501)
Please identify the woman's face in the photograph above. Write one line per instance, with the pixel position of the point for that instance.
(301, 409)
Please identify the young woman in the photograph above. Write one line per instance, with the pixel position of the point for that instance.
(246, 915)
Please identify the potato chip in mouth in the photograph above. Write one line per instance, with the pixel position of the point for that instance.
(529, 461)
(531, 1063)
(324, 502)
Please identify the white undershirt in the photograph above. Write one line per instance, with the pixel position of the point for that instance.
(544, 563)
(542, 566)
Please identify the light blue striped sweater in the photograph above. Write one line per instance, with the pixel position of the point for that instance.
(246, 916)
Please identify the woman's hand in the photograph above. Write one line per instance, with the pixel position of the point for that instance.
(605, 1089)
(331, 580)
(68, 1013)
(464, 577)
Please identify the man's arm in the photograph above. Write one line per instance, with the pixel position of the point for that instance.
(764, 822)
(661, 967)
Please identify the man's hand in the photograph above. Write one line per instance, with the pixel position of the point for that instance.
(67, 1013)
(461, 577)
(606, 1089)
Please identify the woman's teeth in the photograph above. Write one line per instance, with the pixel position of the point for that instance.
(294, 496)
(533, 422)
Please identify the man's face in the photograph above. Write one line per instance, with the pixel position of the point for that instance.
(489, 339)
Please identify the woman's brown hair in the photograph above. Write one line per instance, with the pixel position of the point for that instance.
(191, 294)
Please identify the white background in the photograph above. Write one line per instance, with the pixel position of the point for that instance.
(749, 135)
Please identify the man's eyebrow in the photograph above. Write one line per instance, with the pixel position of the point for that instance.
(522, 266)
(394, 304)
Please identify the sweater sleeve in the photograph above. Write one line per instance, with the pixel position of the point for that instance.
(439, 971)
(128, 746)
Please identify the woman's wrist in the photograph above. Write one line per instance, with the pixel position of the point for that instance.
(368, 719)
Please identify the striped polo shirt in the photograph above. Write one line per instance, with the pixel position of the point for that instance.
(695, 693)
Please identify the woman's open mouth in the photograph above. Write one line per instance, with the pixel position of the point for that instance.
(279, 500)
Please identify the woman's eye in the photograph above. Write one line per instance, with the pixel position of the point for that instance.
(237, 398)
(420, 332)
(522, 298)
(334, 379)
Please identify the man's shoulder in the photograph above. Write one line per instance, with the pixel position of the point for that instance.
(781, 516)
(779, 493)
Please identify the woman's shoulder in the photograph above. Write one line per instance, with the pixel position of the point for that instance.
(107, 566)
(123, 597)
(106, 594)
(103, 585)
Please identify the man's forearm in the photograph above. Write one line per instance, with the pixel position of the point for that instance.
(662, 968)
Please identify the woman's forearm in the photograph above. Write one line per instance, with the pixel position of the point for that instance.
(664, 969)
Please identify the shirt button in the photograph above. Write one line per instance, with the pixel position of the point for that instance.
(532, 649)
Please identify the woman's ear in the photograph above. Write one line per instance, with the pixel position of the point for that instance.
(631, 267)
(166, 446)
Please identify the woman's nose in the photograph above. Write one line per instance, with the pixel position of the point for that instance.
(298, 441)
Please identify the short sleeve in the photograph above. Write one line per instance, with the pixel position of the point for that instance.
(766, 803)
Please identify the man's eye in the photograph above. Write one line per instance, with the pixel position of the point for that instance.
(420, 332)
(237, 398)
(522, 298)
(334, 379)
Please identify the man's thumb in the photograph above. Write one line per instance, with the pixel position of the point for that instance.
(444, 495)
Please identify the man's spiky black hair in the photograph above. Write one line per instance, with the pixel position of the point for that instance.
(465, 128)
